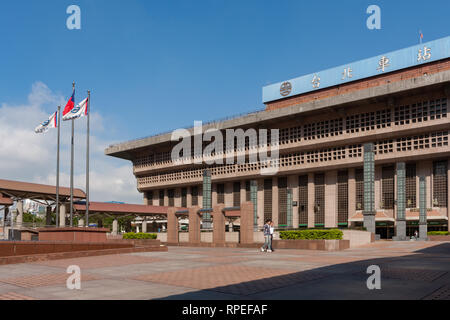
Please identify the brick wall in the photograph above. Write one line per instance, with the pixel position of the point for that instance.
(384, 79)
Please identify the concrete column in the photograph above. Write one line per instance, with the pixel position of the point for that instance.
(166, 198)
(260, 208)
(311, 199)
(172, 226)
(275, 201)
(62, 215)
(246, 228)
(200, 196)
(214, 194)
(194, 225)
(400, 196)
(293, 185)
(48, 216)
(144, 226)
(331, 199)
(81, 223)
(5, 215)
(19, 219)
(115, 227)
(351, 193)
(228, 194)
(243, 192)
(425, 168)
(219, 224)
(189, 197)
(448, 194)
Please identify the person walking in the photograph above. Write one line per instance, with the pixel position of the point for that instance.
(272, 229)
(266, 231)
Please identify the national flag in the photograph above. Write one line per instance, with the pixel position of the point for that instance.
(80, 110)
(70, 104)
(52, 122)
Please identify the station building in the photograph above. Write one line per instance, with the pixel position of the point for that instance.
(398, 102)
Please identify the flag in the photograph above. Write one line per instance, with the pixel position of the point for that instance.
(79, 111)
(70, 104)
(52, 122)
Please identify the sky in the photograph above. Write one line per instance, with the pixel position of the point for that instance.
(155, 66)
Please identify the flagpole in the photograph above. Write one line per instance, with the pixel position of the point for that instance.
(57, 167)
(71, 164)
(87, 157)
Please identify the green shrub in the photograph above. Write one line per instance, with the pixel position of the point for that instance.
(332, 234)
(140, 235)
(438, 233)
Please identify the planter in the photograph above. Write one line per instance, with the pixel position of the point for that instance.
(323, 245)
(439, 238)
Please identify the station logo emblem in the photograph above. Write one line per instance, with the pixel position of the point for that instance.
(285, 88)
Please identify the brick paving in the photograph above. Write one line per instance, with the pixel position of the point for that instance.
(44, 280)
(14, 296)
(101, 262)
(409, 270)
(442, 293)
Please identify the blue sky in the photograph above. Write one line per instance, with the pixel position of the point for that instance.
(158, 65)
(154, 66)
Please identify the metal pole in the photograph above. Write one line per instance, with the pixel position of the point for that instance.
(71, 165)
(87, 157)
(57, 167)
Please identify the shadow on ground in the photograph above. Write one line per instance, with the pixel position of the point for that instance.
(423, 274)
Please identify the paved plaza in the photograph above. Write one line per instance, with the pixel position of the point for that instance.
(409, 270)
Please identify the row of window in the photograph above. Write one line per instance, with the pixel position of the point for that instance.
(439, 193)
(419, 112)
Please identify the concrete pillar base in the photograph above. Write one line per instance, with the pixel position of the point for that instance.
(423, 232)
(115, 227)
(369, 222)
(81, 223)
(400, 231)
(144, 226)
(62, 216)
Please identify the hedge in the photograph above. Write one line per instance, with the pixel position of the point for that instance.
(140, 235)
(439, 233)
(332, 234)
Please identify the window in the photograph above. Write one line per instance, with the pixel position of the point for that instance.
(359, 179)
(184, 197)
(220, 193)
(194, 192)
(388, 174)
(319, 195)
(410, 185)
(440, 184)
(171, 195)
(267, 199)
(236, 194)
(342, 197)
(282, 201)
(161, 197)
(303, 200)
(150, 197)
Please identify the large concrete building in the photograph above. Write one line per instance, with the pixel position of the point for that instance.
(396, 102)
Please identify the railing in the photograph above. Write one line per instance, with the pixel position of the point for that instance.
(190, 126)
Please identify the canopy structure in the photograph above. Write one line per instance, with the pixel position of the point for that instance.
(121, 209)
(5, 201)
(18, 190)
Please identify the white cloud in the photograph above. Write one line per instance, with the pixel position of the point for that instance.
(27, 156)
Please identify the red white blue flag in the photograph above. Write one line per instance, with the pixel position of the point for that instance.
(80, 110)
(70, 104)
(52, 122)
